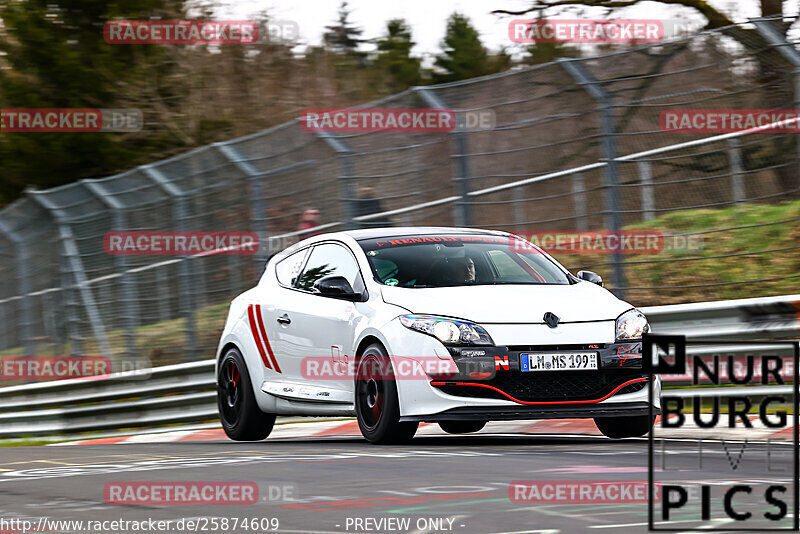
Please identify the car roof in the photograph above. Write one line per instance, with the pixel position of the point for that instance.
(376, 233)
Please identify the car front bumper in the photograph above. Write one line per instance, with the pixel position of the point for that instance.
(425, 400)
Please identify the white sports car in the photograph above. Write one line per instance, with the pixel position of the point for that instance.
(449, 325)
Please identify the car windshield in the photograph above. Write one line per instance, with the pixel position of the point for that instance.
(460, 260)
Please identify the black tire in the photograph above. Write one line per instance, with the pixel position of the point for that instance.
(377, 404)
(633, 426)
(462, 427)
(239, 413)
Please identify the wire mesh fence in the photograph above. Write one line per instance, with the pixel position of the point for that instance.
(576, 145)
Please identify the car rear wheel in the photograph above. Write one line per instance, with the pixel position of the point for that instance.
(377, 403)
(239, 413)
(624, 427)
(461, 427)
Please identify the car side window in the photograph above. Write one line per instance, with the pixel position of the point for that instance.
(506, 267)
(289, 267)
(330, 259)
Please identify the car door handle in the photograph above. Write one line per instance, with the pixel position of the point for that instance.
(284, 319)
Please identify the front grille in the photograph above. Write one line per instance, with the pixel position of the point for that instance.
(558, 386)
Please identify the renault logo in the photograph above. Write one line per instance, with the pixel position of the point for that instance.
(551, 319)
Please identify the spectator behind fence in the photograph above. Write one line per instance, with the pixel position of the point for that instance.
(367, 204)
(309, 221)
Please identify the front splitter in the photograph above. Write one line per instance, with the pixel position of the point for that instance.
(513, 413)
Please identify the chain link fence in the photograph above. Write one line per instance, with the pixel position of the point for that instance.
(576, 146)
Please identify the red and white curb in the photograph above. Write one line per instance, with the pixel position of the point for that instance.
(550, 427)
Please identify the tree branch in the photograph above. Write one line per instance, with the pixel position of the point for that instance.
(542, 4)
(716, 19)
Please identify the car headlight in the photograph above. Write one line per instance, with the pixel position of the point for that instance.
(446, 330)
(631, 325)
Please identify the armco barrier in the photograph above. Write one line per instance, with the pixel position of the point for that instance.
(766, 317)
(184, 393)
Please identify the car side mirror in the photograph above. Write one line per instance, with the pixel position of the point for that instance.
(592, 277)
(336, 287)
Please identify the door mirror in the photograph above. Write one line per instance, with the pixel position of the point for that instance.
(592, 277)
(336, 287)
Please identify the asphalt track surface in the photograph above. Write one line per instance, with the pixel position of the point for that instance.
(456, 483)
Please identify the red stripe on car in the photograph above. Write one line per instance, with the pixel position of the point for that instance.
(254, 330)
(266, 340)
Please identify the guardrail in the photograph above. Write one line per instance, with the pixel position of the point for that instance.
(765, 317)
(185, 393)
(182, 393)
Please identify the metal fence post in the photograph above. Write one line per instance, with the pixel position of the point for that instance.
(461, 156)
(69, 306)
(774, 37)
(185, 294)
(23, 287)
(257, 203)
(463, 210)
(735, 159)
(646, 181)
(7, 327)
(162, 286)
(613, 216)
(579, 200)
(346, 189)
(76, 273)
(49, 320)
(127, 278)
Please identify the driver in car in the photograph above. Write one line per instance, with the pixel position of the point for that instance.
(462, 270)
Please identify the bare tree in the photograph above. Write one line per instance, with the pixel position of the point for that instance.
(772, 65)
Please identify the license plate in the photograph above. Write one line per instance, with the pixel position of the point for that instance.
(562, 361)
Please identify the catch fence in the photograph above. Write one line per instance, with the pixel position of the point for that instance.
(576, 145)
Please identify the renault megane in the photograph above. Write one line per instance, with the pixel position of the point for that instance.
(398, 326)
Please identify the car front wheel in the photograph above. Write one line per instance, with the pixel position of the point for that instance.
(625, 426)
(377, 403)
(239, 413)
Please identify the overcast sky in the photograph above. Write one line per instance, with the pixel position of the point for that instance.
(428, 17)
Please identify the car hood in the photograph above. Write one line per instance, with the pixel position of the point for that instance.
(583, 301)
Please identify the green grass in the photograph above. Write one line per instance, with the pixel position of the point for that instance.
(664, 275)
(29, 442)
